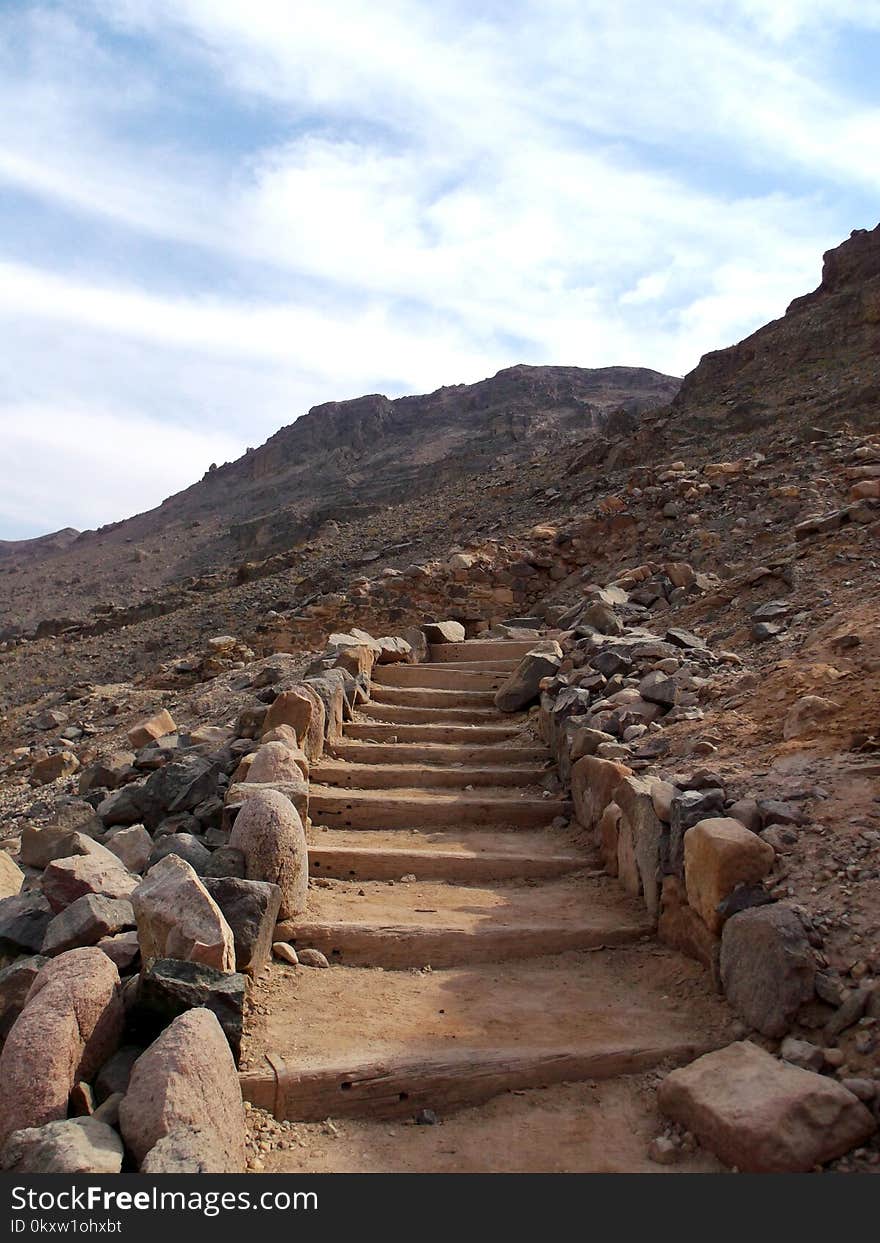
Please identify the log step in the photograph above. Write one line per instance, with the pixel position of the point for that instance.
(414, 809)
(430, 716)
(437, 753)
(417, 776)
(464, 1034)
(466, 735)
(441, 677)
(467, 866)
(473, 650)
(428, 697)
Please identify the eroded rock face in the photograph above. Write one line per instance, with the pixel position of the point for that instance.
(762, 1115)
(269, 833)
(186, 1082)
(767, 967)
(178, 918)
(71, 1022)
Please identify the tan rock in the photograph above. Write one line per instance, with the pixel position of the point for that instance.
(297, 790)
(52, 767)
(269, 833)
(132, 847)
(276, 761)
(153, 727)
(719, 854)
(187, 1081)
(71, 1023)
(178, 918)
(607, 833)
(444, 632)
(680, 927)
(393, 650)
(593, 782)
(635, 798)
(11, 876)
(303, 710)
(662, 794)
(763, 1115)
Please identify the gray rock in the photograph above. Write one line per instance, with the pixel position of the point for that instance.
(186, 846)
(225, 861)
(444, 632)
(15, 984)
(802, 1053)
(185, 1150)
(685, 810)
(85, 921)
(767, 967)
(71, 1146)
(171, 986)
(522, 687)
(24, 919)
(311, 958)
(848, 1013)
(250, 907)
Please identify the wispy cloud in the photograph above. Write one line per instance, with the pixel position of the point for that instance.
(219, 213)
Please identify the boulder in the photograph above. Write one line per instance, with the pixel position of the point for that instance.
(179, 786)
(762, 1115)
(393, 650)
(107, 773)
(303, 710)
(687, 808)
(269, 833)
(767, 967)
(123, 950)
(24, 919)
(71, 1023)
(251, 908)
(275, 762)
(185, 1151)
(330, 691)
(186, 1081)
(153, 727)
(71, 1146)
(523, 685)
(11, 876)
(65, 880)
(170, 987)
(593, 783)
(70, 834)
(132, 847)
(720, 854)
(297, 792)
(284, 735)
(444, 632)
(15, 984)
(85, 921)
(178, 918)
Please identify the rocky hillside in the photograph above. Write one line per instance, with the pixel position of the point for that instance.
(341, 462)
(820, 362)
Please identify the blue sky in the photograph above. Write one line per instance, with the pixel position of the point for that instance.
(217, 213)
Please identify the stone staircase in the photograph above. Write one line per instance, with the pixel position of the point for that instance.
(476, 947)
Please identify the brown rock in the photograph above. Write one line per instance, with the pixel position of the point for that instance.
(681, 927)
(178, 918)
(71, 1023)
(297, 791)
(607, 834)
(187, 1081)
(152, 728)
(762, 1115)
(719, 854)
(593, 783)
(132, 847)
(635, 798)
(807, 717)
(269, 833)
(51, 767)
(522, 686)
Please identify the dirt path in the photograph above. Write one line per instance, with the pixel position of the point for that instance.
(485, 978)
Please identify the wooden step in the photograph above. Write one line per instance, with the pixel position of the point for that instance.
(435, 753)
(430, 716)
(415, 809)
(458, 1036)
(441, 677)
(428, 922)
(430, 697)
(464, 735)
(467, 866)
(473, 650)
(417, 776)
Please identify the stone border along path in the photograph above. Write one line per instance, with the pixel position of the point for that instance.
(507, 961)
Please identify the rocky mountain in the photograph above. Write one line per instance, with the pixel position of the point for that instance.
(819, 362)
(341, 462)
